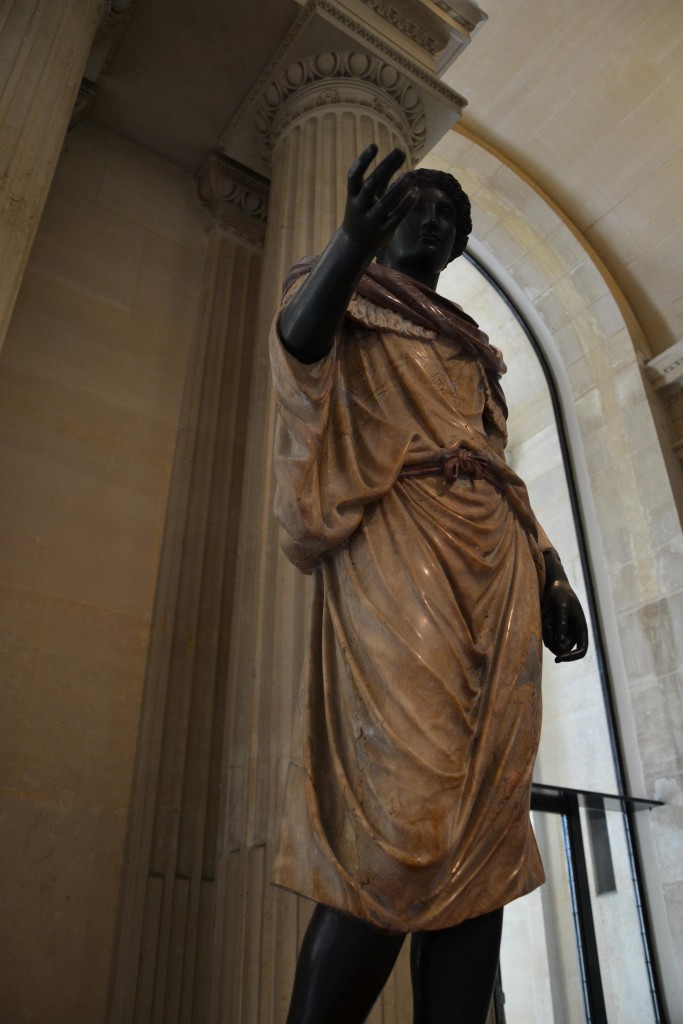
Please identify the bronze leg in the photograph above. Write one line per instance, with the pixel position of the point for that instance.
(343, 966)
(454, 970)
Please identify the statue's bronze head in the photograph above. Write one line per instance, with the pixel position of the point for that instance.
(446, 183)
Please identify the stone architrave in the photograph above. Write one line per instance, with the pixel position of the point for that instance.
(44, 47)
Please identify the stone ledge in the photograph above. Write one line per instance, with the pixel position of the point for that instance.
(666, 369)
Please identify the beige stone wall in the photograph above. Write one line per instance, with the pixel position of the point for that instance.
(91, 379)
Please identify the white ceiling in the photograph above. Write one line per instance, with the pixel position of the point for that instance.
(182, 69)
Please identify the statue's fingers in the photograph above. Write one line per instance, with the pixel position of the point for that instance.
(562, 621)
(398, 191)
(359, 167)
(403, 207)
(581, 638)
(376, 182)
(547, 630)
(578, 641)
(572, 655)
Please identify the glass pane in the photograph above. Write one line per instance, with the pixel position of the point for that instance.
(621, 949)
(575, 743)
(539, 962)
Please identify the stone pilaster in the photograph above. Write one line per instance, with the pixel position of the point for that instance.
(163, 965)
(44, 46)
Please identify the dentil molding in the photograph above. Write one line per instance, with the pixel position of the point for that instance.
(236, 197)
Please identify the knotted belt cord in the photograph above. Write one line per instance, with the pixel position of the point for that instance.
(462, 462)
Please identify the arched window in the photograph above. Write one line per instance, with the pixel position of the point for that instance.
(555, 965)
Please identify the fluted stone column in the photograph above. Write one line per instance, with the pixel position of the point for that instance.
(44, 46)
(163, 957)
(314, 118)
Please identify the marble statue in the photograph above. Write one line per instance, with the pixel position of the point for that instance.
(407, 799)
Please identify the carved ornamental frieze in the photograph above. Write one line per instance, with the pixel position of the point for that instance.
(429, 41)
(334, 79)
(236, 197)
(430, 32)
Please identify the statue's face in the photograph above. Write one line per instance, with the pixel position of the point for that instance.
(422, 243)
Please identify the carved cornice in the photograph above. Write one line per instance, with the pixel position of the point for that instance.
(334, 13)
(410, 28)
(431, 32)
(470, 22)
(666, 371)
(332, 79)
(667, 368)
(236, 197)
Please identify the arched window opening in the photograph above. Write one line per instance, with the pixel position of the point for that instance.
(579, 971)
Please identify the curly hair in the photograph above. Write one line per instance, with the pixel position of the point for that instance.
(446, 183)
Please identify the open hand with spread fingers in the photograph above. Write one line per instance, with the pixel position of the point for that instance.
(373, 211)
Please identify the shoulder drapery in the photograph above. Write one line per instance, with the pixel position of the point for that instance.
(394, 292)
(410, 376)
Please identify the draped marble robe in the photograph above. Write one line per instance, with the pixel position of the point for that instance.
(408, 790)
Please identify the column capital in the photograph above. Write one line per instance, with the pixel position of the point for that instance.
(336, 80)
(236, 197)
(331, 47)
